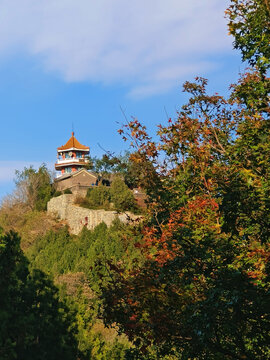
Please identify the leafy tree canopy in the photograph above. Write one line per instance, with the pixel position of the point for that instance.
(249, 23)
(34, 187)
(203, 291)
(116, 197)
(111, 166)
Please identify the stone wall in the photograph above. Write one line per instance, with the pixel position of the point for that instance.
(78, 217)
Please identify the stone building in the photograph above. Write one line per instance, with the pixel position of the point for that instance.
(72, 162)
(78, 182)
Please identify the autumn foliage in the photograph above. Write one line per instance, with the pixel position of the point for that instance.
(204, 287)
(203, 290)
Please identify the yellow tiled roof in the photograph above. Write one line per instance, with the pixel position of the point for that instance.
(73, 143)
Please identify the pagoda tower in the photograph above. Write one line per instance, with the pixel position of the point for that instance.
(72, 156)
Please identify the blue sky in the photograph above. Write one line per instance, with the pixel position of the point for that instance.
(66, 61)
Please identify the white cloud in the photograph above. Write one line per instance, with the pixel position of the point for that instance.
(146, 45)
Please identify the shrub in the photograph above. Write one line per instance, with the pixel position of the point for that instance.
(99, 197)
(121, 196)
(57, 193)
(67, 191)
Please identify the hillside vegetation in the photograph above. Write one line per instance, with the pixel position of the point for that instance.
(24, 210)
(75, 264)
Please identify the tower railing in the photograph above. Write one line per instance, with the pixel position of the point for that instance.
(72, 160)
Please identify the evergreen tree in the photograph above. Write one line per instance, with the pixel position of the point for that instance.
(34, 323)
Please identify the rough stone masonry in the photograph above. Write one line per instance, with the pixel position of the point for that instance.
(77, 217)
